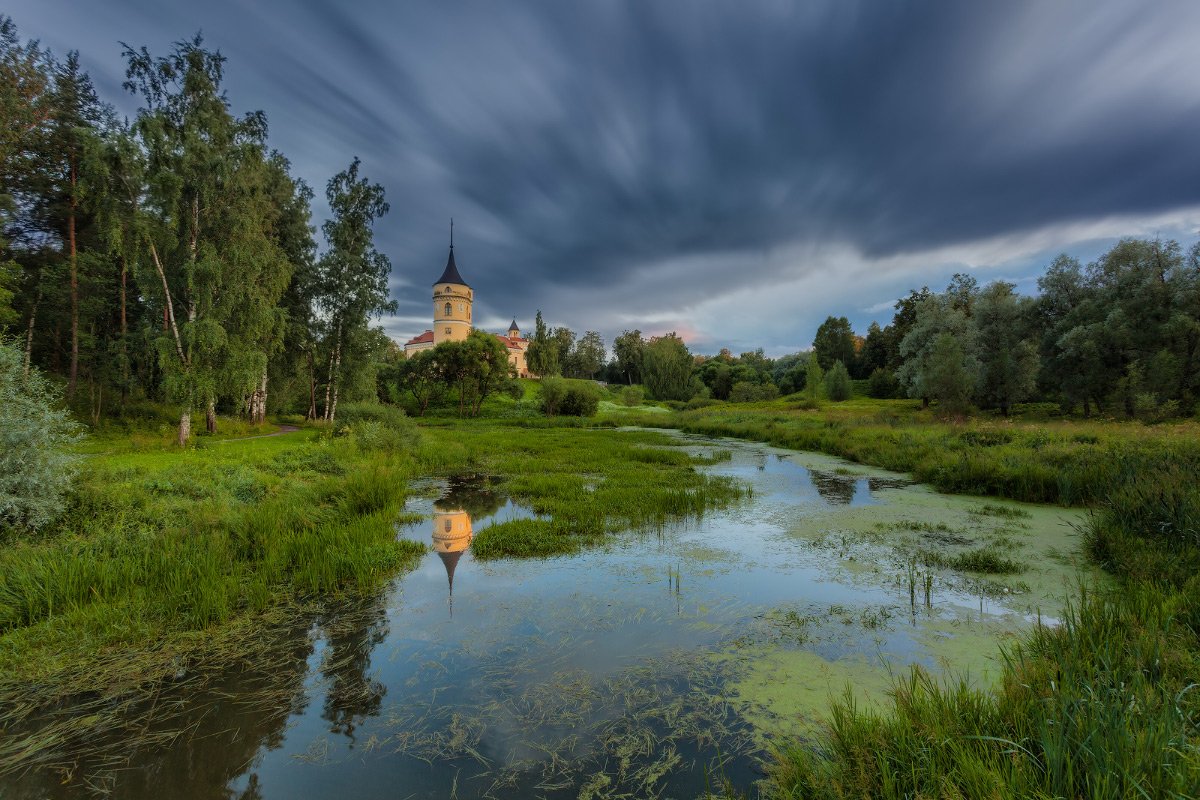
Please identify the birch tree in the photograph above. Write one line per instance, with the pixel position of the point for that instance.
(194, 147)
(352, 273)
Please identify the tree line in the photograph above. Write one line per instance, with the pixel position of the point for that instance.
(172, 256)
(1120, 335)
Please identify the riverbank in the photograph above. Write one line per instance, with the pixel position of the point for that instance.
(1035, 457)
(1103, 705)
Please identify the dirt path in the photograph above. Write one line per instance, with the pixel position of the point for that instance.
(283, 429)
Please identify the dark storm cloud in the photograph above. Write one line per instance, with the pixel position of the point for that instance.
(617, 162)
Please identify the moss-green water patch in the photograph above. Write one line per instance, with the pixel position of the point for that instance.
(788, 692)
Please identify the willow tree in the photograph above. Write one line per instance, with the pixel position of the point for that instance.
(203, 238)
(352, 273)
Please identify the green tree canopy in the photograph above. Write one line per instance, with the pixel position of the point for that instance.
(667, 368)
(834, 342)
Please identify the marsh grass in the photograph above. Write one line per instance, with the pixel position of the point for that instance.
(583, 484)
(164, 551)
(1099, 707)
(1034, 460)
(985, 560)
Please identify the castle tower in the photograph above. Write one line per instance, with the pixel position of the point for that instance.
(452, 299)
(513, 331)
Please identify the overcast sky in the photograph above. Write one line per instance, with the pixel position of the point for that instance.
(735, 171)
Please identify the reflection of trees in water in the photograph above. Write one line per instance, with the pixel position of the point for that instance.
(840, 490)
(351, 694)
(189, 739)
(834, 489)
(475, 493)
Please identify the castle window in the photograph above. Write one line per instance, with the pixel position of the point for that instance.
(447, 526)
(447, 330)
(447, 309)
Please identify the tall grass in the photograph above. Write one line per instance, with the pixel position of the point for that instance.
(1104, 706)
(181, 541)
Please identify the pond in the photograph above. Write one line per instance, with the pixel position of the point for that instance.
(654, 665)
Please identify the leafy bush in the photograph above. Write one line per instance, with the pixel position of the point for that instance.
(378, 437)
(746, 392)
(352, 413)
(573, 398)
(883, 384)
(377, 427)
(837, 383)
(631, 396)
(36, 467)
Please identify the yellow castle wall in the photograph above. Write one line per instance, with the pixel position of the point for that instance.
(451, 312)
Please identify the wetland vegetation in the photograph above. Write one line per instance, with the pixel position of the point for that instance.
(267, 532)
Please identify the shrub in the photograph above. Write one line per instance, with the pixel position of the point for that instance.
(36, 466)
(882, 384)
(377, 427)
(631, 396)
(349, 414)
(376, 436)
(746, 392)
(573, 398)
(837, 383)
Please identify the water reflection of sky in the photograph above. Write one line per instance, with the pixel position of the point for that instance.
(453, 621)
(456, 651)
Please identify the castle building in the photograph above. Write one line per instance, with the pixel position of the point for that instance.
(452, 301)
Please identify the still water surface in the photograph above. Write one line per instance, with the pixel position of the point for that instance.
(653, 665)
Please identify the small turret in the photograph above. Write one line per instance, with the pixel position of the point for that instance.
(513, 331)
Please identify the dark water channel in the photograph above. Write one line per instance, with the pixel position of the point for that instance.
(631, 668)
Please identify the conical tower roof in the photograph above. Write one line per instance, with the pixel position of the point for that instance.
(451, 561)
(514, 327)
(450, 274)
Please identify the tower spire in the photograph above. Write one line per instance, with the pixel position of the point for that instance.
(452, 233)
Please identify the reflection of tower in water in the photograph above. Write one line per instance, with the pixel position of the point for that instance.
(451, 536)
